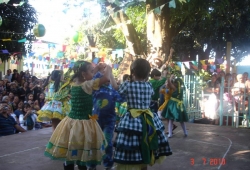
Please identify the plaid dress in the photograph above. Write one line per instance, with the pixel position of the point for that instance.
(128, 143)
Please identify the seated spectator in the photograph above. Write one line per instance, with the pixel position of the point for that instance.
(30, 98)
(15, 76)
(15, 102)
(29, 116)
(8, 125)
(6, 99)
(8, 76)
(40, 102)
(23, 91)
(19, 111)
(14, 88)
(1, 86)
(11, 113)
(11, 97)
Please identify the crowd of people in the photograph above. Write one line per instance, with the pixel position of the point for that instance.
(21, 95)
(236, 88)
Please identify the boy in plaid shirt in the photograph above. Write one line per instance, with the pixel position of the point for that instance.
(141, 140)
(104, 101)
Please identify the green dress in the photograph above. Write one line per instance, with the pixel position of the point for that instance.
(78, 138)
(175, 109)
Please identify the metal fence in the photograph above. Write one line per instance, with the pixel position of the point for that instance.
(231, 109)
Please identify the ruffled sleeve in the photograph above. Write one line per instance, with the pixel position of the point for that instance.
(90, 85)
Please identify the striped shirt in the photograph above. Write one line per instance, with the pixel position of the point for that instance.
(7, 125)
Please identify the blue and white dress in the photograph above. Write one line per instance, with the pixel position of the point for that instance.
(141, 139)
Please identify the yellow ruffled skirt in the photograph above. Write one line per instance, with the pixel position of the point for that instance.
(78, 141)
(53, 109)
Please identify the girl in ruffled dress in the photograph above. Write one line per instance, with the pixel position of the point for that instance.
(140, 140)
(175, 110)
(78, 139)
(57, 102)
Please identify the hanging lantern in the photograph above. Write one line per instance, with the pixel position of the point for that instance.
(1, 20)
(39, 30)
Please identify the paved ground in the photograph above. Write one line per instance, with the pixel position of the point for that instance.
(206, 147)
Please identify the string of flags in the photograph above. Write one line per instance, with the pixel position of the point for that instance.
(211, 65)
(19, 41)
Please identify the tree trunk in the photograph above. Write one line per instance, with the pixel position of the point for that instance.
(159, 35)
(122, 20)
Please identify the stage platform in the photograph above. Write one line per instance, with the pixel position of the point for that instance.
(206, 147)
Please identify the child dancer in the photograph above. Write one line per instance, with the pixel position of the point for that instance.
(56, 106)
(78, 138)
(166, 91)
(140, 140)
(104, 101)
(175, 110)
(156, 82)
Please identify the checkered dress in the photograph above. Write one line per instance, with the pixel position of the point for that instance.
(129, 137)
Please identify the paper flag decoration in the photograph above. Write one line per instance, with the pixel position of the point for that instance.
(20, 4)
(220, 60)
(40, 58)
(195, 63)
(51, 45)
(96, 60)
(203, 62)
(4, 1)
(177, 67)
(31, 54)
(179, 64)
(204, 67)
(187, 64)
(172, 4)
(194, 67)
(64, 47)
(22, 40)
(5, 51)
(6, 39)
(60, 54)
(116, 66)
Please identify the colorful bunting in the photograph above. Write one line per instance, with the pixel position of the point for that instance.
(22, 40)
(5, 51)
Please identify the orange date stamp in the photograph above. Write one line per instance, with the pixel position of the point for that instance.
(210, 161)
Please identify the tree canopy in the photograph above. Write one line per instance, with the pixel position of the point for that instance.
(192, 27)
(17, 23)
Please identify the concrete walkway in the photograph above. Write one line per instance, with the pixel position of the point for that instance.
(206, 147)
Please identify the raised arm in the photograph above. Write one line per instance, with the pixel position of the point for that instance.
(171, 85)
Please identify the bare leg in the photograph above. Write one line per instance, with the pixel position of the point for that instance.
(55, 122)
